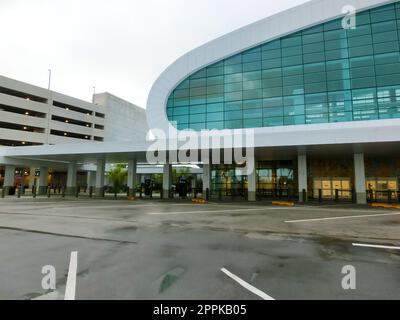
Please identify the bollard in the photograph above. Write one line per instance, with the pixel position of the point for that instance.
(320, 195)
(63, 192)
(48, 192)
(90, 192)
(34, 192)
(304, 195)
(19, 191)
(336, 195)
(207, 194)
(389, 196)
(78, 190)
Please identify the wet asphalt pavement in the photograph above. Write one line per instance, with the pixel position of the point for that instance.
(156, 250)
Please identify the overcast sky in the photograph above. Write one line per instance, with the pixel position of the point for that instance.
(118, 46)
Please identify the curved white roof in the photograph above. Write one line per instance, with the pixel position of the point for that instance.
(290, 21)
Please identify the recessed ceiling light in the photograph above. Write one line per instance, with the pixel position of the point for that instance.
(23, 142)
(65, 133)
(27, 113)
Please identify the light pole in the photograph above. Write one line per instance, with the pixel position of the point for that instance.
(49, 79)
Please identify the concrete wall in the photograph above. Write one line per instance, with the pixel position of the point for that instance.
(124, 121)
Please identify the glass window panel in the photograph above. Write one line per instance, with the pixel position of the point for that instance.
(291, 61)
(315, 87)
(233, 115)
(251, 104)
(382, 16)
(253, 75)
(276, 44)
(252, 66)
(252, 57)
(273, 82)
(233, 106)
(291, 41)
(218, 125)
(314, 67)
(234, 68)
(336, 44)
(215, 107)
(293, 90)
(292, 51)
(313, 38)
(340, 116)
(360, 41)
(338, 85)
(252, 85)
(336, 54)
(272, 73)
(295, 120)
(361, 51)
(252, 94)
(385, 37)
(232, 96)
(271, 63)
(252, 113)
(232, 87)
(181, 111)
(288, 81)
(291, 71)
(215, 80)
(386, 69)
(273, 102)
(272, 92)
(199, 74)
(363, 82)
(317, 118)
(253, 123)
(272, 54)
(198, 109)
(211, 72)
(273, 122)
(195, 118)
(386, 47)
(359, 31)
(387, 58)
(237, 77)
(234, 60)
(384, 26)
(273, 112)
(293, 100)
(216, 116)
(337, 65)
(315, 77)
(234, 124)
(363, 72)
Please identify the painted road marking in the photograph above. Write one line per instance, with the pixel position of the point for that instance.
(71, 279)
(213, 211)
(247, 286)
(345, 217)
(375, 246)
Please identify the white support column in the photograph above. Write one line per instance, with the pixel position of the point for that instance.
(43, 180)
(206, 179)
(101, 168)
(302, 177)
(359, 175)
(167, 180)
(252, 179)
(91, 179)
(9, 178)
(32, 177)
(71, 178)
(132, 177)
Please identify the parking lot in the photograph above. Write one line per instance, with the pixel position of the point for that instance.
(179, 250)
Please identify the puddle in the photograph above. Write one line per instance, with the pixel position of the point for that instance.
(170, 278)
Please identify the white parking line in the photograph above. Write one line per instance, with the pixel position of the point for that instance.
(375, 246)
(346, 217)
(71, 279)
(247, 286)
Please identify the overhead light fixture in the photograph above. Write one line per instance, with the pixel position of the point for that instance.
(27, 113)
(23, 142)
(66, 121)
(65, 133)
(67, 109)
(25, 128)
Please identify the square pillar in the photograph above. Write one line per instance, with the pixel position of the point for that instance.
(302, 177)
(359, 178)
(252, 179)
(167, 180)
(91, 179)
(132, 177)
(206, 179)
(43, 180)
(101, 168)
(9, 178)
(32, 177)
(71, 179)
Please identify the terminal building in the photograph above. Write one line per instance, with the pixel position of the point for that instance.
(321, 96)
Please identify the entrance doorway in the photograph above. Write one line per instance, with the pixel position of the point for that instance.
(275, 179)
